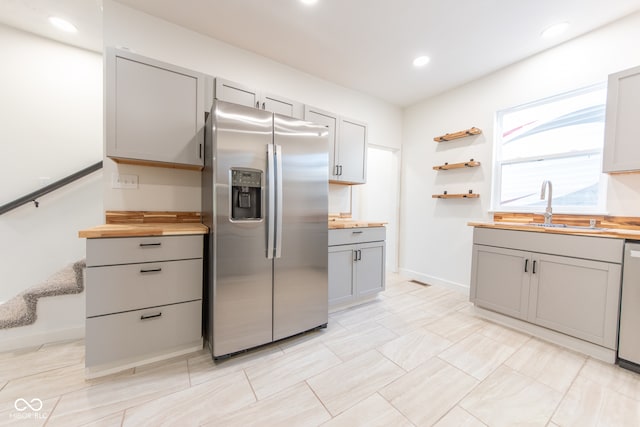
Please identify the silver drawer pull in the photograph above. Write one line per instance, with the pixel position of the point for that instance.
(150, 245)
(151, 270)
(356, 232)
(152, 316)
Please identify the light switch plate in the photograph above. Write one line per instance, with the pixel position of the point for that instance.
(124, 181)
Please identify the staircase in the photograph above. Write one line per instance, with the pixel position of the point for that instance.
(51, 311)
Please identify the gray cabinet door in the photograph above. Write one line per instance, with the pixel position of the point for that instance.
(500, 280)
(341, 274)
(621, 148)
(352, 151)
(577, 297)
(236, 93)
(280, 105)
(330, 120)
(155, 111)
(370, 268)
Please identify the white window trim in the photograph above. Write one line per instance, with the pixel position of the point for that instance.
(600, 209)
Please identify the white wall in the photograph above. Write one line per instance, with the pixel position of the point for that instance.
(50, 126)
(161, 40)
(50, 111)
(435, 241)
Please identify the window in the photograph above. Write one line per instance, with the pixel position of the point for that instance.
(558, 139)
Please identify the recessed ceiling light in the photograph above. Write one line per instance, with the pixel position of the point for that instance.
(309, 2)
(63, 24)
(555, 30)
(421, 61)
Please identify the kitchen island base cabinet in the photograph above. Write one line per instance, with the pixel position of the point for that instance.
(356, 265)
(574, 296)
(144, 300)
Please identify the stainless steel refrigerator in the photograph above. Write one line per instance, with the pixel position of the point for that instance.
(265, 200)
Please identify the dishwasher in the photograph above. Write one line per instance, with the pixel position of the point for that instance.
(629, 338)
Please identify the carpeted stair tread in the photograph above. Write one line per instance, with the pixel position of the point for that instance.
(21, 309)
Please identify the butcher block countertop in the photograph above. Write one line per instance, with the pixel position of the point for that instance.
(146, 223)
(140, 230)
(339, 223)
(617, 227)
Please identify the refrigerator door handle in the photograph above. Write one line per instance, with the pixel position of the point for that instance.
(278, 201)
(270, 202)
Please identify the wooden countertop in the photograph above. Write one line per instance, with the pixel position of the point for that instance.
(338, 223)
(617, 233)
(140, 230)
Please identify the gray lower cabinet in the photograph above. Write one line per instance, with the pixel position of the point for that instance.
(356, 265)
(154, 111)
(143, 300)
(576, 296)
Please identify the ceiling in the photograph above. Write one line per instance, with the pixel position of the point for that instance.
(366, 45)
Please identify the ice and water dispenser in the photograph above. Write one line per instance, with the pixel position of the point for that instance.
(246, 194)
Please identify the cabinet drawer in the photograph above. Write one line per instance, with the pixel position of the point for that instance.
(130, 250)
(138, 334)
(117, 288)
(348, 236)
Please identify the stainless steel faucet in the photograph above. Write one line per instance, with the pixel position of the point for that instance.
(548, 214)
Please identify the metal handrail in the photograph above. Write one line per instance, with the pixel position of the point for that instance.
(33, 197)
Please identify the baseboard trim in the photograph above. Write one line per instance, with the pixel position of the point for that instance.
(432, 280)
(39, 338)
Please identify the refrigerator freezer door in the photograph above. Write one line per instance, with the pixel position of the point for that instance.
(242, 288)
(300, 299)
(629, 345)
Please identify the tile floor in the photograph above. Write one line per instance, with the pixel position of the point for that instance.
(415, 356)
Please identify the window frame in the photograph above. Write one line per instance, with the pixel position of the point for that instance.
(600, 208)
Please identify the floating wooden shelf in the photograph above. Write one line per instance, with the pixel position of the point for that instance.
(456, 196)
(470, 164)
(456, 135)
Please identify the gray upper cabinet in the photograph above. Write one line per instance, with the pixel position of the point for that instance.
(348, 152)
(237, 93)
(330, 120)
(621, 146)
(154, 111)
(352, 151)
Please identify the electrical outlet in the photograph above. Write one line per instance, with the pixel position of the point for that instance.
(124, 181)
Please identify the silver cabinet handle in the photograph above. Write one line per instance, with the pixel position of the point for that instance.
(534, 267)
(150, 245)
(152, 270)
(357, 232)
(526, 265)
(151, 316)
(264, 105)
(355, 255)
(257, 104)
